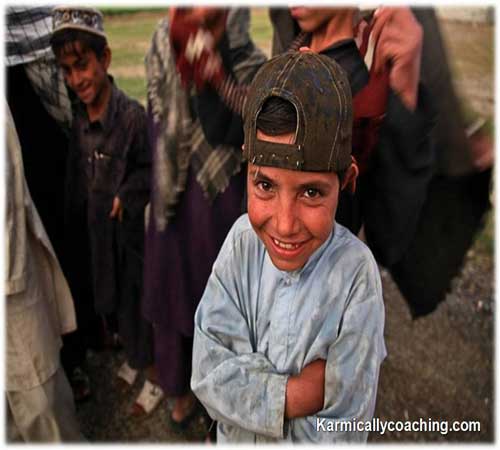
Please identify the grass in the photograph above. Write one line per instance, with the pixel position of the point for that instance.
(135, 87)
(260, 29)
(110, 11)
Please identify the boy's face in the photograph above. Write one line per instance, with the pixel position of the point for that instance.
(84, 73)
(292, 212)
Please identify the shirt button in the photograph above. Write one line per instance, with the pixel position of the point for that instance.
(89, 159)
(288, 282)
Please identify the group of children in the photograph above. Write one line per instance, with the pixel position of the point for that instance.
(263, 369)
(290, 327)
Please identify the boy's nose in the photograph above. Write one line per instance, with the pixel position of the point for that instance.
(287, 222)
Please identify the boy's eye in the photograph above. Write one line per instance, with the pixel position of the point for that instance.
(264, 186)
(312, 193)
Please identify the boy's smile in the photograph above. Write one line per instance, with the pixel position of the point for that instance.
(292, 212)
(86, 75)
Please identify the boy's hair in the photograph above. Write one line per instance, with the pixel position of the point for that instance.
(277, 117)
(64, 42)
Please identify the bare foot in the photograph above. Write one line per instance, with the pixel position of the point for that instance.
(183, 406)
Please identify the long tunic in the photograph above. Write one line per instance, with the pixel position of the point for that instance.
(110, 157)
(39, 306)
(256, 326)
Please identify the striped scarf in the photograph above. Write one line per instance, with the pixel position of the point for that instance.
(27, 42)
(181, 142)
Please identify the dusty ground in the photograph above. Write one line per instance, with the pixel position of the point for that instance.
(439, 367)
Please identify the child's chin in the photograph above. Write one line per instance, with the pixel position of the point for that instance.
(287, 265)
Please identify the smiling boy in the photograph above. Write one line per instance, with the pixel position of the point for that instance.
(108, 188)
(290, 328)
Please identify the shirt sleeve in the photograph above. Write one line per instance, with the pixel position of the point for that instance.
(237, 385)
(352, 366)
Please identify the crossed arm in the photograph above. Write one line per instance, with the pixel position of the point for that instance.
(305, 392)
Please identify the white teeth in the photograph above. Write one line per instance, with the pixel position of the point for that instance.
(285, 245)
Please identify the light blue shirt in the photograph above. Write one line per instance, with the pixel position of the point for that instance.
(256, 325)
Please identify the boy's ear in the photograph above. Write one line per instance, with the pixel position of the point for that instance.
(106, 57)
(350, 177)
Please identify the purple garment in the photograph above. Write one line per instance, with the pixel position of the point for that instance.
(178, 261)
(173, 358)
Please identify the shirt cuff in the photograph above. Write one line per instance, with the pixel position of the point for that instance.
(276, 410)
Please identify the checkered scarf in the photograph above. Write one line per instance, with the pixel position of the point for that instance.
(27, 42)
(181, 142)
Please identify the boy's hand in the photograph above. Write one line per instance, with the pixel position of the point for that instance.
(305, 391)
(210, 18)
(194, 33)
(399, 39)
(117, 210)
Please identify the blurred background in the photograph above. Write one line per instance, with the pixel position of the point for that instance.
(439, 366)
(468, 34)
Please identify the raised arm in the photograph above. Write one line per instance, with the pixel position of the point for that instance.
(241, 60)
(403, 163)
(399, 40)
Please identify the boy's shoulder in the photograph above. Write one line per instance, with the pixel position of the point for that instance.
(239, 241)
(349, 253)
(127, 104)
(242, 233)
(349, 242)
(125, 114)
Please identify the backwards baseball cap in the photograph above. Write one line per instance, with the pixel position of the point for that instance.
(80, 18)
(319, 90)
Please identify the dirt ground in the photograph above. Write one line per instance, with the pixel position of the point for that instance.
(439, 367)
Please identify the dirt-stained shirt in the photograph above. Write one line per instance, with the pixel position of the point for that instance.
(256, 326)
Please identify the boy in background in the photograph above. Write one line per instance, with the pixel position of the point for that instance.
(108, 186)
